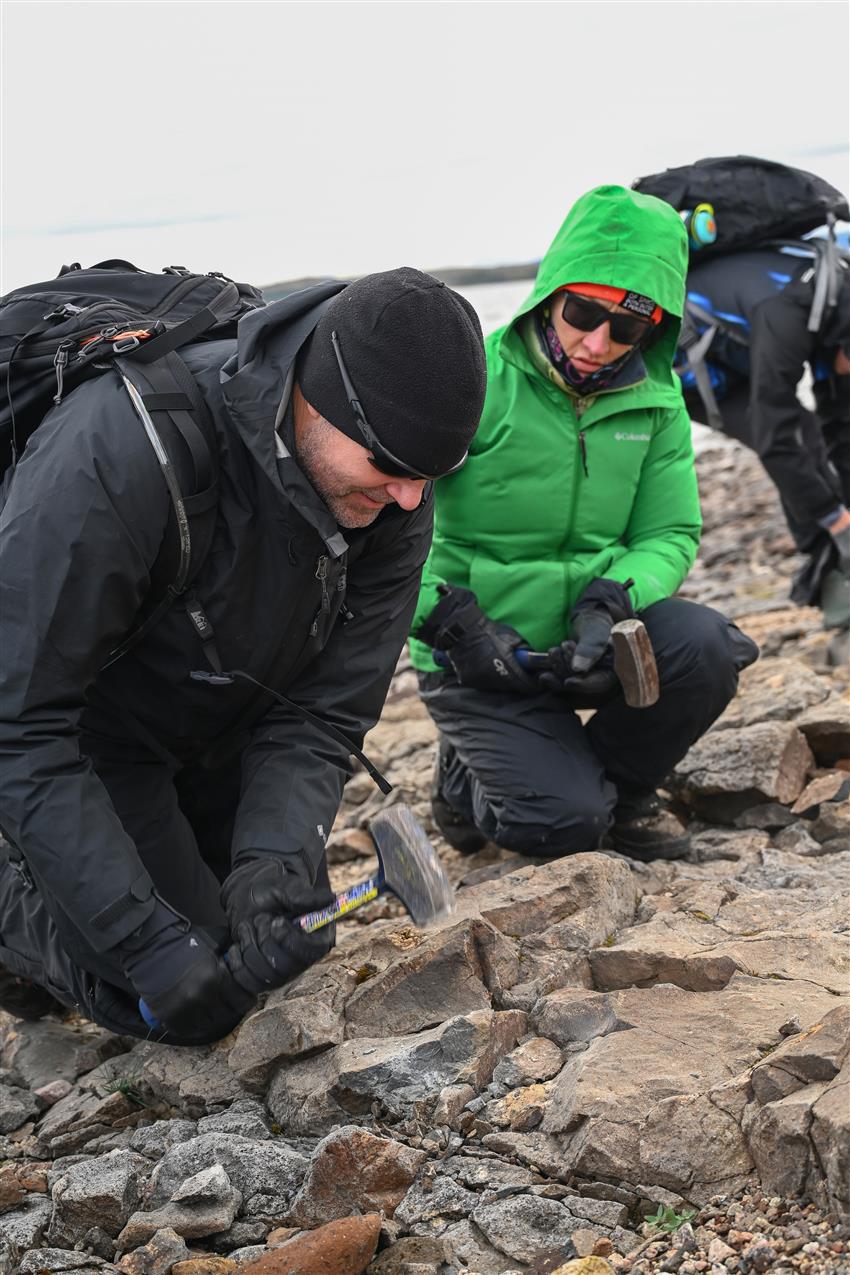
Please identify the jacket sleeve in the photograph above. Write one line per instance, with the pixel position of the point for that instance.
(662, 536)
(84, 516)
(780, 346)
(292, 773)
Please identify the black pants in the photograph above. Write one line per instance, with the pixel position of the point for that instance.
(533, 779)
(182, 824)
(825, 434)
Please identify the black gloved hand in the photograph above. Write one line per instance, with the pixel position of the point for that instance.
(481, 651)
(260, 892)
(183, 980)
(603, 604)
(585, 690)
(270, 950)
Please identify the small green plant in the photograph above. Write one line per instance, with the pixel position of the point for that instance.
(668, 1220)
(129, 1087)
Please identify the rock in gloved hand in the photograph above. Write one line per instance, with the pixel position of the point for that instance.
(185, 983)
(603, 604)
(481, 651)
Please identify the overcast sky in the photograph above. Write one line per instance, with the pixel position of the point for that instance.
(280, 139)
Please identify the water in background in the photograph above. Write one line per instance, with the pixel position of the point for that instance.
(495, 303)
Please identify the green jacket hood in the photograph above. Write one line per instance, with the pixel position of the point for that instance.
(618, 237)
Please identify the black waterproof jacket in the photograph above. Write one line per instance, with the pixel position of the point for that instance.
(81, 528)
(768, 295)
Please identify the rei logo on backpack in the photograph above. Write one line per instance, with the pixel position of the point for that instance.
(117, 318)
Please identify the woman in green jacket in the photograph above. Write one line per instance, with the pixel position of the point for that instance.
(578, 507)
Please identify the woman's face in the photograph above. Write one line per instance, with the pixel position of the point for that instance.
(587, 351)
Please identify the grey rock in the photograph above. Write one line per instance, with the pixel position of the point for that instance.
(770, 815)
(248, 1253)
(434, 1197)
(265, 1173)
(284, 1030)
(246, 1117)
(397, 1072)
(98, 1243)
(25, 1226)
(410, 1255)
(100, 1192)
(46, 1051)
(526, 1225)
(17, 1106)
(163, 1250)
(241, 1235)
(52, 1261)
(203, 1205)
(470, 1246)
(604, 1212)
(798, 839)
(155, 1139)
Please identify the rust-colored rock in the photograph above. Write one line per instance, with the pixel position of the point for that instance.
(343, 1247)
(352, 1168)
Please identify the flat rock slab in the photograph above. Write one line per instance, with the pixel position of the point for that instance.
(655, 1060)
(810, 943)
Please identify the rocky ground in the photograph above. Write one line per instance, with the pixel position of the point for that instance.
(584, 1045)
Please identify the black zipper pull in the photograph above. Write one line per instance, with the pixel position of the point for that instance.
(60, 362)
(583, 445)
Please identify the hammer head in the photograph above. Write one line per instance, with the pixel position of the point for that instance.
(410, 865)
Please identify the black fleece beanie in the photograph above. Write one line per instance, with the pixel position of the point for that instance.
(414, 352)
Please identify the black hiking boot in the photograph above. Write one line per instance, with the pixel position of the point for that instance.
(643, 829)
(460, 832)
(22, 998)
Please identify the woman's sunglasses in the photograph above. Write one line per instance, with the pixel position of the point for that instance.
(380, 458)
(586, 315)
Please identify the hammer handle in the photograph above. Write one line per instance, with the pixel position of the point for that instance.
(344, 903)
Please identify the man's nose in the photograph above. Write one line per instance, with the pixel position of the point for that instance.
(598, 341)
(406, 492)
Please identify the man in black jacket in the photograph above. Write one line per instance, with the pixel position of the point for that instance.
(760, 300)
(162, 831)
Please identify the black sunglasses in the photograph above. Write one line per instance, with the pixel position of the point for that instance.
(380, 458)
(586, 315)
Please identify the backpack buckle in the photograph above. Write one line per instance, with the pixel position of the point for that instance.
(126, 343)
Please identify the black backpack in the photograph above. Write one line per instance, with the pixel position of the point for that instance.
(757, 203)
(754, 200)
(116, 317)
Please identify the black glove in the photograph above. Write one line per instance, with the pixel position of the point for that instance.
(185, 983)
(585, 690)
(481, 652)
(270, 950)
(260, 893)
(603, 604)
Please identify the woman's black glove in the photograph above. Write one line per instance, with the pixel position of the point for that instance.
(603, 604)
(262, 897)
(582, 690)
(481, 651)
(184, 982)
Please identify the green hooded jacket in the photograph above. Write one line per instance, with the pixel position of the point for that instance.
(529, 521)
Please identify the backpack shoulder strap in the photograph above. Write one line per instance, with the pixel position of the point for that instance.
(176, 420)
